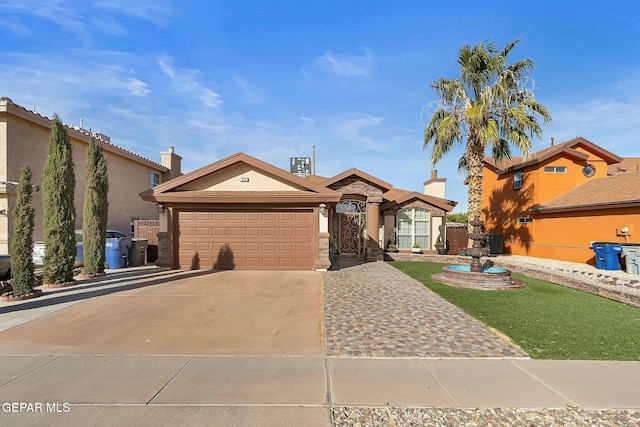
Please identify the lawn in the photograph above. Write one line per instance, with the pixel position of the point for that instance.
(546, 320)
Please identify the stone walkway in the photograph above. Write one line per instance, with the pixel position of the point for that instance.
(374, 310)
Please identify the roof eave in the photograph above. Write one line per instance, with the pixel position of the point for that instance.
(586, 207)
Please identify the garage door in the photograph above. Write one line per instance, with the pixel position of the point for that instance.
(247, 240)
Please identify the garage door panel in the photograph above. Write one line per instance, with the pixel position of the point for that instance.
(247, 240)
(215, 216)
(253, 232)
(287, 247)
(236, 232)
(287, 232)
(253, 247)
(303, 247)
(269, 216)
(270, 247)
(202, 231)
(269, 262)
(269, 232)
(219, 232)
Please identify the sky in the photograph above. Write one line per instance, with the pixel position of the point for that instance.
(274, 78)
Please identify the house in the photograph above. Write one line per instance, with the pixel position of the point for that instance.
(24, 137)
(241, 212)
(557, 201)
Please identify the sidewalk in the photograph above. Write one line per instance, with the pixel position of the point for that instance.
(234, 390)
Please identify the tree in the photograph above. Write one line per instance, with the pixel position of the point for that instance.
(461, 218)
(95, 212)
(491, 105)
(23, 224)
(58, 207)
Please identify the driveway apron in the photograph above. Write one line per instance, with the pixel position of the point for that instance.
(249, 313)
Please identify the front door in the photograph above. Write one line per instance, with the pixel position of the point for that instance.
(351, 223)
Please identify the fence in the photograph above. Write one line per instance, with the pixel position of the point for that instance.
(148, 229)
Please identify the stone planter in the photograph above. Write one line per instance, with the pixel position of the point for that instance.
(416, 250)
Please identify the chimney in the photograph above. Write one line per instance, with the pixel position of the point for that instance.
(435, 186)
(171, 161)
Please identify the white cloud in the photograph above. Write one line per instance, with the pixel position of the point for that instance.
(347, 65)
(187, 83)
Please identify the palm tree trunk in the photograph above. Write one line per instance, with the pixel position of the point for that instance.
(475, 152)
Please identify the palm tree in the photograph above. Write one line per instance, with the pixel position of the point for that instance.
(490, 105)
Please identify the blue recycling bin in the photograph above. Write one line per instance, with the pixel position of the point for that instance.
(612, 253)
(607, 255)
(598, 248)
(116, 252)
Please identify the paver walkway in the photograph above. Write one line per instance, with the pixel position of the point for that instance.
(374, 310)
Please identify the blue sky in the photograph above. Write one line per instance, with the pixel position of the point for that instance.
(272, 78)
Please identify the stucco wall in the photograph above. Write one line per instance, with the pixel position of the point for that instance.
(231, 179)
(24, 138)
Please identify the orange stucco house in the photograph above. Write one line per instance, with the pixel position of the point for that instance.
(556, 201)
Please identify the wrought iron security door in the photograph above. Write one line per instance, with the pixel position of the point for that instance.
(351, 218)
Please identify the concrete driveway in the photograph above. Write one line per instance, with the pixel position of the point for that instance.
(249, 313)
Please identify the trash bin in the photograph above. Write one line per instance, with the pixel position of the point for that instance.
(612, 253)
(607, 255)
(138, 252)
(117, 252)
(632, 256)
(598, 248)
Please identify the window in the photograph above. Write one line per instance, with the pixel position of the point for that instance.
(155, 179)
(413, 227)
(525, 220)
(517, 180)
(589, 170)
(555, 169)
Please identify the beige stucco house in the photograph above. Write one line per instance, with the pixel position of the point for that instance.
(243, 213)
(24, 137)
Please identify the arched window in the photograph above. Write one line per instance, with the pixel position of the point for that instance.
(413, 227)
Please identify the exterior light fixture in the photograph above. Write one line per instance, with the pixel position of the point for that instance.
(160, 207)
(323, 208)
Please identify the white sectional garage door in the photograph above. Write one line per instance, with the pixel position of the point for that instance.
(255, 240)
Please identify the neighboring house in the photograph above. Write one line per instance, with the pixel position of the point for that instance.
(243, 213)
(24, 137)
(555, 202)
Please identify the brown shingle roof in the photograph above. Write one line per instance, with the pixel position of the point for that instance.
(567, 147)
(619, 190)
(628, 164)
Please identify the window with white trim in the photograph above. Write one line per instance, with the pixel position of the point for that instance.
(517, 180)
(155, 179)
(413, 227)
(555, 169)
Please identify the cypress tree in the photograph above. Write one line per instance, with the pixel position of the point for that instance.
(23, 223)
(59, 211)
(95, 212)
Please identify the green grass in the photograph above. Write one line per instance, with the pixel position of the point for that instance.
(546, 320)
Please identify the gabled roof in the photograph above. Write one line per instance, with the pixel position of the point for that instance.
(397, 196)
(607, 192)
(385, 186)
(309, 191)
(567, 148)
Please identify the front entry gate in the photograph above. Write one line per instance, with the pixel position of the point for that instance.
(351, 223)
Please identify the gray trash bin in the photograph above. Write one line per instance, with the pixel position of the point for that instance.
(138, 252)
(632, 256)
